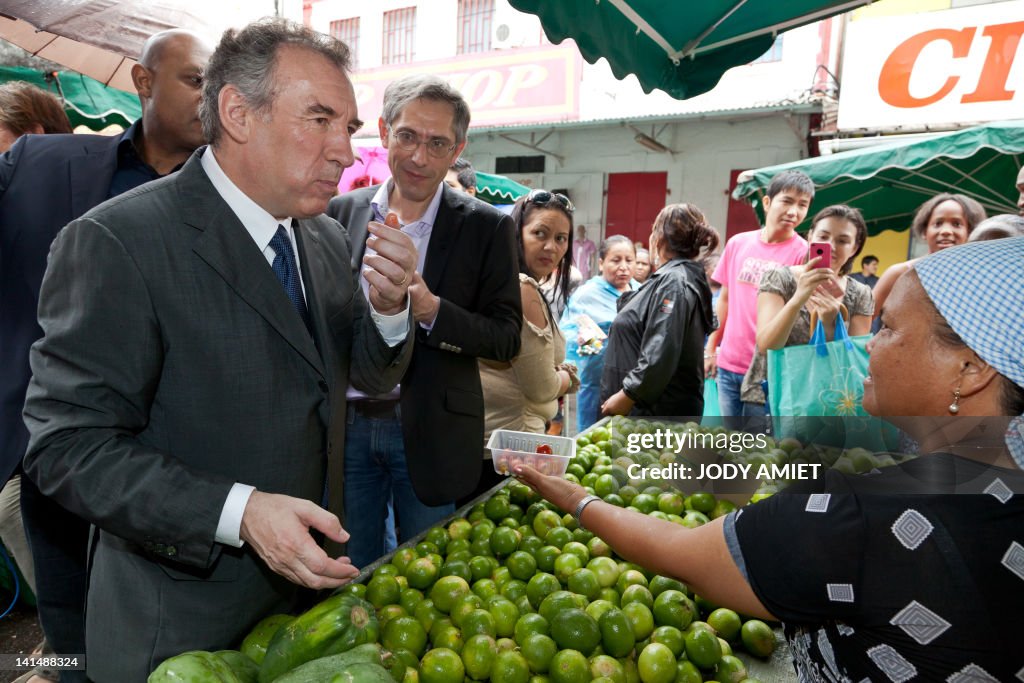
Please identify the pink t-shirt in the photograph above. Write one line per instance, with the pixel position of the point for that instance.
(745, 260)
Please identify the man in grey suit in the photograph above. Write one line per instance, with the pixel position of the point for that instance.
(199, 333)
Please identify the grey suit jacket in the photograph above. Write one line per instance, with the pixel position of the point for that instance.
(173, 364)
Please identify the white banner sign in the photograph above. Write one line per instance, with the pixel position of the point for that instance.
(934, 68)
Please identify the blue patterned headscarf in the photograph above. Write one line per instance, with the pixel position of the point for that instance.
(979, 289)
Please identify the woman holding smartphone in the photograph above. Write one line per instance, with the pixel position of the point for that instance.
(788, 296)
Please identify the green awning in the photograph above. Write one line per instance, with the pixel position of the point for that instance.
(86, 101)
(683, 46)
(497, 189)
(888, 182)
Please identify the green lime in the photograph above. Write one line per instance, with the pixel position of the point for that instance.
(426, 614)
(701, 501)
(389, 612)
(758, 638)
(574, 629)
(485, 588)
(421, 573)
(671, 502)
(477, 622)
(513, 589)
(656, 664)
(447, 590)
(463, 606)
(703, 648)
(528, 625)
(673, 608)
(441, 665)
(449, 638)
(538, 650)
(521, 565)
(670, 637)
(609, 668)
(409, 598)
(629, 577)
(686, 672)
(730, 670)
(597, 608)
(605, 569)
(504, 541)
(545, 521)
(402, 558)
(478, 655)
(617, 635)
(637, 593)
(459, 529)
(546, 557)
(725, 622)
(510, 667)
(566, 564)
(541, 586)
(640, 618)
(558, 536)
(569, 666)
(558, 601)
(505, 614)
(659, 584)
(584, 582)
(383, 590)
(405, 633)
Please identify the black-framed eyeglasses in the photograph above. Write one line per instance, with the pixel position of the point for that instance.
(543, 198)
(410, 142)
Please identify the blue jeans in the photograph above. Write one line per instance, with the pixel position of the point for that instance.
(729, 402)
(375, 472)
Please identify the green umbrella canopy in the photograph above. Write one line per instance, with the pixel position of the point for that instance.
(497, 189)
(680, 46)
(87, 102)
(889, 181)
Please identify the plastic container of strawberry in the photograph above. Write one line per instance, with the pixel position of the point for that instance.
(545, 453)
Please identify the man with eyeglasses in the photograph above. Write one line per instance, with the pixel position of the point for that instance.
(422, 444)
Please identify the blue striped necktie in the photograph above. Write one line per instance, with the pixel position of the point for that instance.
(286, 271)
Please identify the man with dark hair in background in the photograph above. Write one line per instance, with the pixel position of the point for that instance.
(46, 181)
(462, 176)
(868, 274)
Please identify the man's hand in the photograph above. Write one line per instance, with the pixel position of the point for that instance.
(390, 270)
(617, 404)
(425, 304)
(710, 364)
(277, 527)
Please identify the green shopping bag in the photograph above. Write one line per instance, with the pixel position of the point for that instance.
(711, 408)
(815, 392)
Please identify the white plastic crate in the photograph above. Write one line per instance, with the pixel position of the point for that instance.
(509, 448)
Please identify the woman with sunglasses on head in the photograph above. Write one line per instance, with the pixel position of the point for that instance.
(654, 363)
(522, 395)
(588, 318)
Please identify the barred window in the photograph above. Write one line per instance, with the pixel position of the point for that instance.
(347, 31)
(476, 18)
(399, 33)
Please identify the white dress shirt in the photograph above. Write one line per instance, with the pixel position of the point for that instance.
(262, 227)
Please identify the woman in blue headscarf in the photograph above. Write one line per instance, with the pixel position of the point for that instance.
(915, 571)
(588, 317)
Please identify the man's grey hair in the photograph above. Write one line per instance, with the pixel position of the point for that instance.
(400, 93)
(247, 59)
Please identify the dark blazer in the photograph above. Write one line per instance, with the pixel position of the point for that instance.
(46, 181)
(173, 364)
(471, 265)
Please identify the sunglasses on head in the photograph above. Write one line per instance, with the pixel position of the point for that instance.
(543, 198)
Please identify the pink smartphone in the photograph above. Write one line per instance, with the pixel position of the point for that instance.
(822, 250)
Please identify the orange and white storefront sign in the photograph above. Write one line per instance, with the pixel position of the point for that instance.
(934, 68)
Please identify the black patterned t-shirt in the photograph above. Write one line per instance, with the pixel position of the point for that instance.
(913, 573)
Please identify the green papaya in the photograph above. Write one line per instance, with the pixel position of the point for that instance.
(247, 670)
(336, 625)
(321, 670)
(361, 673)
(255, 644)
(196, 666)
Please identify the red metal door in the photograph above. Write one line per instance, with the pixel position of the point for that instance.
(741, 216)
(634, 200)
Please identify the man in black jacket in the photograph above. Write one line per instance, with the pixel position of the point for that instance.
(424, 445)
